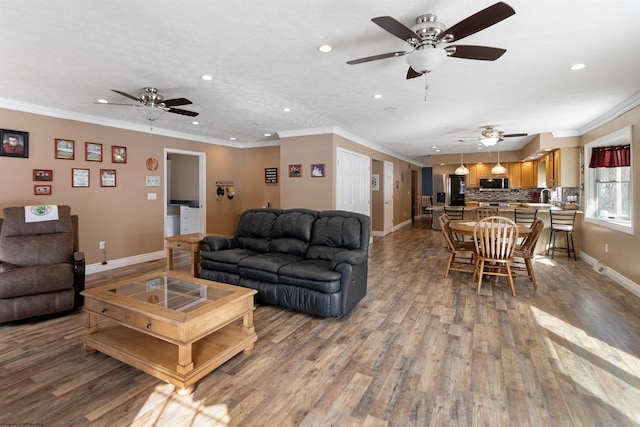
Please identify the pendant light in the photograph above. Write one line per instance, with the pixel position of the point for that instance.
(498, 169)
(461, 170)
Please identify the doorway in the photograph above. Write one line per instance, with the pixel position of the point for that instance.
(353, 182)
(185, 192)
(387, 185)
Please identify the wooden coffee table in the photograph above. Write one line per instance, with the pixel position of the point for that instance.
(170, 325)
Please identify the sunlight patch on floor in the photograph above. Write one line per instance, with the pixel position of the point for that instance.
(610, 374)
(180, 410)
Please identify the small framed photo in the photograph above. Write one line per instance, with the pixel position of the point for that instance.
(65, 149)
(118, 154)
(93, 152)
(295, 171)
(14, 143)
(79, 177)
(42, 190)
(42, 175)
(107, 177)
(317, 170)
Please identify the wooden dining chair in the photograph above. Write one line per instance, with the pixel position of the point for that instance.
(461, 254)
(481, 213)
(455, 214)
(525, 252)
(495, 240)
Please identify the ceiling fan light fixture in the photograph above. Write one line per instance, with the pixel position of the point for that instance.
(426, 59)
(151, 113)
(490, 142)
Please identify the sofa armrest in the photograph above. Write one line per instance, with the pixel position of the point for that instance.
(352, 257)
(218, 243)
(78, 278)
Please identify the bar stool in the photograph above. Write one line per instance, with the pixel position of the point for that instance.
(562, 221)
(525, 216)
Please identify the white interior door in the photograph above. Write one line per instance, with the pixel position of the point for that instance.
(387, 187)
(353, 182)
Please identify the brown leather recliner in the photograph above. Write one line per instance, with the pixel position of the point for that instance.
(41, 270)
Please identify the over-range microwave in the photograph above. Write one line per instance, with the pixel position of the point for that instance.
(494, 183)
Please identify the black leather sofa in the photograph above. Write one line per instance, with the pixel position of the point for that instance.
(310, 261)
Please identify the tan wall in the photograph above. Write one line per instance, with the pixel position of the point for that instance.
(184, 177)
(307, 191)
(122, 216)
(622, 247)
(377, 198)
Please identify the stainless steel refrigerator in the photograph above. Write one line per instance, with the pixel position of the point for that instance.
(455, 190)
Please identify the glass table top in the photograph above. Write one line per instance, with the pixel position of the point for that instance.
(171, 293)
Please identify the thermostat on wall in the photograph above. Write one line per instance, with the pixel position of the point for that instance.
(153, 181)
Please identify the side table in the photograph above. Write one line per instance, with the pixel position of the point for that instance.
(186, 242)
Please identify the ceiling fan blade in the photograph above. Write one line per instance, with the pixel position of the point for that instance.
(176, 101)
(376, 57)
(482, 53)
(514, 135)
(135, 98)
(182, 112)
(412, 74)
(479, 21)
(396, 28)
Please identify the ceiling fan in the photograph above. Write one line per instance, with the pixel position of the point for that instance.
(155, 105)
(491, 136)
(426, 36)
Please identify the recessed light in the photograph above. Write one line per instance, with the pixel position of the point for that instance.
(233, 138)
(576, 67)
(377, 96)
(433, 146)
(480, 148)
(286, 109)
(103, 101)
(207, 77)
(437, 151)
(325, 48)
(441, 164)
(267, 134)
(195, 123)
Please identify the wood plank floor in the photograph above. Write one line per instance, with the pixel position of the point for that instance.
(419, 350)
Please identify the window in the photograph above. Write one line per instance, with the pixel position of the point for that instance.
(608, 190)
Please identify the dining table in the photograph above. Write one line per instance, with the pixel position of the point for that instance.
(465, 227)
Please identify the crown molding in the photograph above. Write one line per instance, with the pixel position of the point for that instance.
(628, 104)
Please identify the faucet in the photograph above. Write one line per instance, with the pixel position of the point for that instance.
(542, 195)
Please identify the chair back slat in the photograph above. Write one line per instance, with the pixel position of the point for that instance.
(529, 245)
(495, 237)
(446, 231)
(454, 213)
(525, 216)
(563, 218)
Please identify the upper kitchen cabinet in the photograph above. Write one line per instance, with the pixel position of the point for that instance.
(562, 167)
(473, 179)
(515, 175)
(528, 174)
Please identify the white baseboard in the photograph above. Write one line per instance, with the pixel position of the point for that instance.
(401, 225)
(124, 262)
(621, 280)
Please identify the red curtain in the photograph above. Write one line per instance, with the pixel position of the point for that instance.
(614, 156)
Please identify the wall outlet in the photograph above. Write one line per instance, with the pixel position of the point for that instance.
(103, 245)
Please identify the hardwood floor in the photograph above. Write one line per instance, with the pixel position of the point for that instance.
(418, 350)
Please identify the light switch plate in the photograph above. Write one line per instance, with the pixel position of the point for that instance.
(151, 196)
(153, 181)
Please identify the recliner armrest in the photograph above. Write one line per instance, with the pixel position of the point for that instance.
(352, 257)
(218, 243)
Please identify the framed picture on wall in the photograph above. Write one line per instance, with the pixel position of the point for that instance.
(295, 171)
(42, 190)
(93, 152)
(79, 177)
(118, 154)
(14, 143)
(107, 177)
(65, 149)
(42, 175)
(317, 170)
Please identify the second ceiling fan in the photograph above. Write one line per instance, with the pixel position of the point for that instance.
(426, 36)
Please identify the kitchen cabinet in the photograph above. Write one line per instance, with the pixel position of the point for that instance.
(473, 179)
(515, 174)
(528, 174)
(562, 168)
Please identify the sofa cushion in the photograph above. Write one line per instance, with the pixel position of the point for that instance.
(292, 231)
(36, 280)
(255, 229)
(226, 260)
(311, 274)
(333, 234)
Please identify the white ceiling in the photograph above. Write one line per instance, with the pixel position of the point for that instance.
(61, 56)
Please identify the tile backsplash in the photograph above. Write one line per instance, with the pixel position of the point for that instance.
(521, 195)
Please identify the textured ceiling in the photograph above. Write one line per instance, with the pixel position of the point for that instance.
(63, 55)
